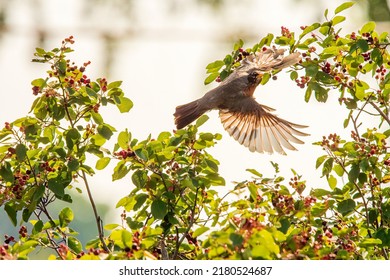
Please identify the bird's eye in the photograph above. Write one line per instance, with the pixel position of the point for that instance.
(252, 77)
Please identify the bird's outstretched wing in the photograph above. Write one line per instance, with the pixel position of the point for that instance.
(253, 126)
(271, 59)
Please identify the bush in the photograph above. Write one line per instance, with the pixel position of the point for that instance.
(172, 211)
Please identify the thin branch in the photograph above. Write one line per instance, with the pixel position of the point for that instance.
(384, 116)
(192, 221)
(99, 221)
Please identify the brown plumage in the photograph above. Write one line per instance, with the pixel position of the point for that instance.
(247, 121)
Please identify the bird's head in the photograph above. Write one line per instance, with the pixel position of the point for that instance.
(254, 77)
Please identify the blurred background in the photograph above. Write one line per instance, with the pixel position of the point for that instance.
(159, 49)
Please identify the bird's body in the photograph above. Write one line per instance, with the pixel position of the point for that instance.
(247, 121)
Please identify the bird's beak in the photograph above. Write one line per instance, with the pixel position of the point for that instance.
(260, 76)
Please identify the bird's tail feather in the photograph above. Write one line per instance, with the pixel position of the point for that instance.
(187, 113)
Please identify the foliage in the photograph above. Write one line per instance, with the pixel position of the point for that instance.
(175, 209)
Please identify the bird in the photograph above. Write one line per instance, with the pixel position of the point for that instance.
(247, 121)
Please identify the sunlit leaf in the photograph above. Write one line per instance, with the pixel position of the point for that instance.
(159, 209)
(343, 7)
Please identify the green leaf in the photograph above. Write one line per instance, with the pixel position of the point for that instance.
(106, 131)
(350, 104)
(142, 154)
(120, 171)
(319, 192)
(294, 75)
(159, 209)
(372, 215)
(127, 238)
(318, 209)
(343, 7)
(200, 231)
(139, 178)
(124, 138)
(211, 78)
(140, 200)
(308, 93)
(26, 214)
(338, 169)
(21, 152)
(332, 181)
(320, 160)
(115, 84)
(328, 165)
(74, 244)
(65, 216)
(370, 242)
(201, 120)
(363, 45)
(237, 239)
(123, 103)
(265, 78)
(27, 247)
(346, 206)
(37, 228)
(320, 92)
(102, 163)
(6, 173)
(38, 83)
(376, 56)
(309, 29)
(56, 186)
(73, 164)
(212, 164)
(111, 226)
(62, 67)
(353, 174)
(255, 172)
(368, 27)
(215, 65)
(11, 212)
(71, 137)
(91, 92)
(238, 44)
(98, 119)
(337, 19)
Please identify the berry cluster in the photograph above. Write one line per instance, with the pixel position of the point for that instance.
(45, 166)
(23, 232)
(331, 142)
(4, 252)
(241, 55)
(7, 126)
(381, 73)
(20, 181)
(302, 81)
(366, 148)
(123, 154)
(309, 200)
(301, 240)
(103, 84)
(283, 203)
(68, 40)
(286, 32)
(298, 185)
(247, 225)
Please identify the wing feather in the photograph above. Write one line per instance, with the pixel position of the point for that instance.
(256, 128)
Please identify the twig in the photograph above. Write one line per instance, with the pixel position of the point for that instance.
(99, 221)
(384, 116)
(192, 221)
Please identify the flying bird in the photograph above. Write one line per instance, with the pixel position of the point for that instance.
(250, 123)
